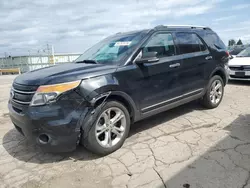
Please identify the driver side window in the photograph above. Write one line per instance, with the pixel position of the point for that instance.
(162, 43)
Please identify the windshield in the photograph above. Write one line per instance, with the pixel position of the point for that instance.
(113, 50)
(244, 53)
(236, 51)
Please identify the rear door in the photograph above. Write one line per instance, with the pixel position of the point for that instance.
(195, 60)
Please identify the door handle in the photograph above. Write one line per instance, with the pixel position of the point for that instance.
(209, 58)
(175, 65)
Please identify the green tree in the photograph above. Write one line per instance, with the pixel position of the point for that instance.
(239, 42)
(231, 42)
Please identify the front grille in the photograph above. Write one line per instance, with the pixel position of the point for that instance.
(23, 94)
(240, 68)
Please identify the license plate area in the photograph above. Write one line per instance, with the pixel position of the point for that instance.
(240, 74)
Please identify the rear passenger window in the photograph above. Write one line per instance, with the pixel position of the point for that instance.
(161, 43)
(189, 43)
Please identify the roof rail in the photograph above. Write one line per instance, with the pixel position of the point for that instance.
(181, 26)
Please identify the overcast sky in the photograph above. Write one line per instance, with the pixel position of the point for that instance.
(74, 25)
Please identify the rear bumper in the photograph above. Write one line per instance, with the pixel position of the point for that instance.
(53, 128)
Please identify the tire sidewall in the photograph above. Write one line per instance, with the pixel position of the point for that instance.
(91, 143)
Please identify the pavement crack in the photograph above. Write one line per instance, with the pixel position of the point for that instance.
(160, 177)
(153, 155)
(123, 164)
(236, 138)
(155, 159)
(247, 180)
(217, 162)
(244, 144)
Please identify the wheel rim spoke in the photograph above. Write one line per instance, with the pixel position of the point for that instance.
(117, 118)
(213, 86)
(214, 99)
(106, 116)
(117, 131)
(105, 141)
(109, 139)
(218, 86)
(101, 129)
(120, 129)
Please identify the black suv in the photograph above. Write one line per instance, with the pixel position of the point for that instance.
(121, 80)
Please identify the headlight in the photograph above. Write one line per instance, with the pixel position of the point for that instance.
(49, 93)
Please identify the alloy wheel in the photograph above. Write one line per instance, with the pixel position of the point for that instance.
(110, 127)
(216, 92)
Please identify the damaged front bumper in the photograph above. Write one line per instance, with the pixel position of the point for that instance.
(54, 127)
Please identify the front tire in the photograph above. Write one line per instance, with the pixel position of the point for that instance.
(109, 130)
(214, 93)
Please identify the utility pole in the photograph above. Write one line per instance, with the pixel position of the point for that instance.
(53, 54)
(48, 53)
(11, 60)
(6, 60)
(29, 57)
(5, 57)
(2, 63)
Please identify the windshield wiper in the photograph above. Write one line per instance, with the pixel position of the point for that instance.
(88, 61)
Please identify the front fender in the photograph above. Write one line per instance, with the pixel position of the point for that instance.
(102, 88)
(92, 87)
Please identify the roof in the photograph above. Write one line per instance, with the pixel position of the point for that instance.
(164, 27)
(133, 32)
(181, 27)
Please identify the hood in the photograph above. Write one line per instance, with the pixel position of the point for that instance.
(238, 61)
(63, 73)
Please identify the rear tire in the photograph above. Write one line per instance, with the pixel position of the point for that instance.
(214, 93)
(109, 130)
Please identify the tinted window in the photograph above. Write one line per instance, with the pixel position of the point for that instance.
(161, 43)
(236, 51)
(189, 43)
(244, 53)
(213, 40)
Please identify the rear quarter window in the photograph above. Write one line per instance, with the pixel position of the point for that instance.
(214, 41)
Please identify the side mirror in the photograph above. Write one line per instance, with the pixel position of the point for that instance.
(147, 57)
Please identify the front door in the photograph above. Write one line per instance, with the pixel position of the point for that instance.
(159, 83)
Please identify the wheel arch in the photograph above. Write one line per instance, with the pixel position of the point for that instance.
(220, 72)
(121, 97)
